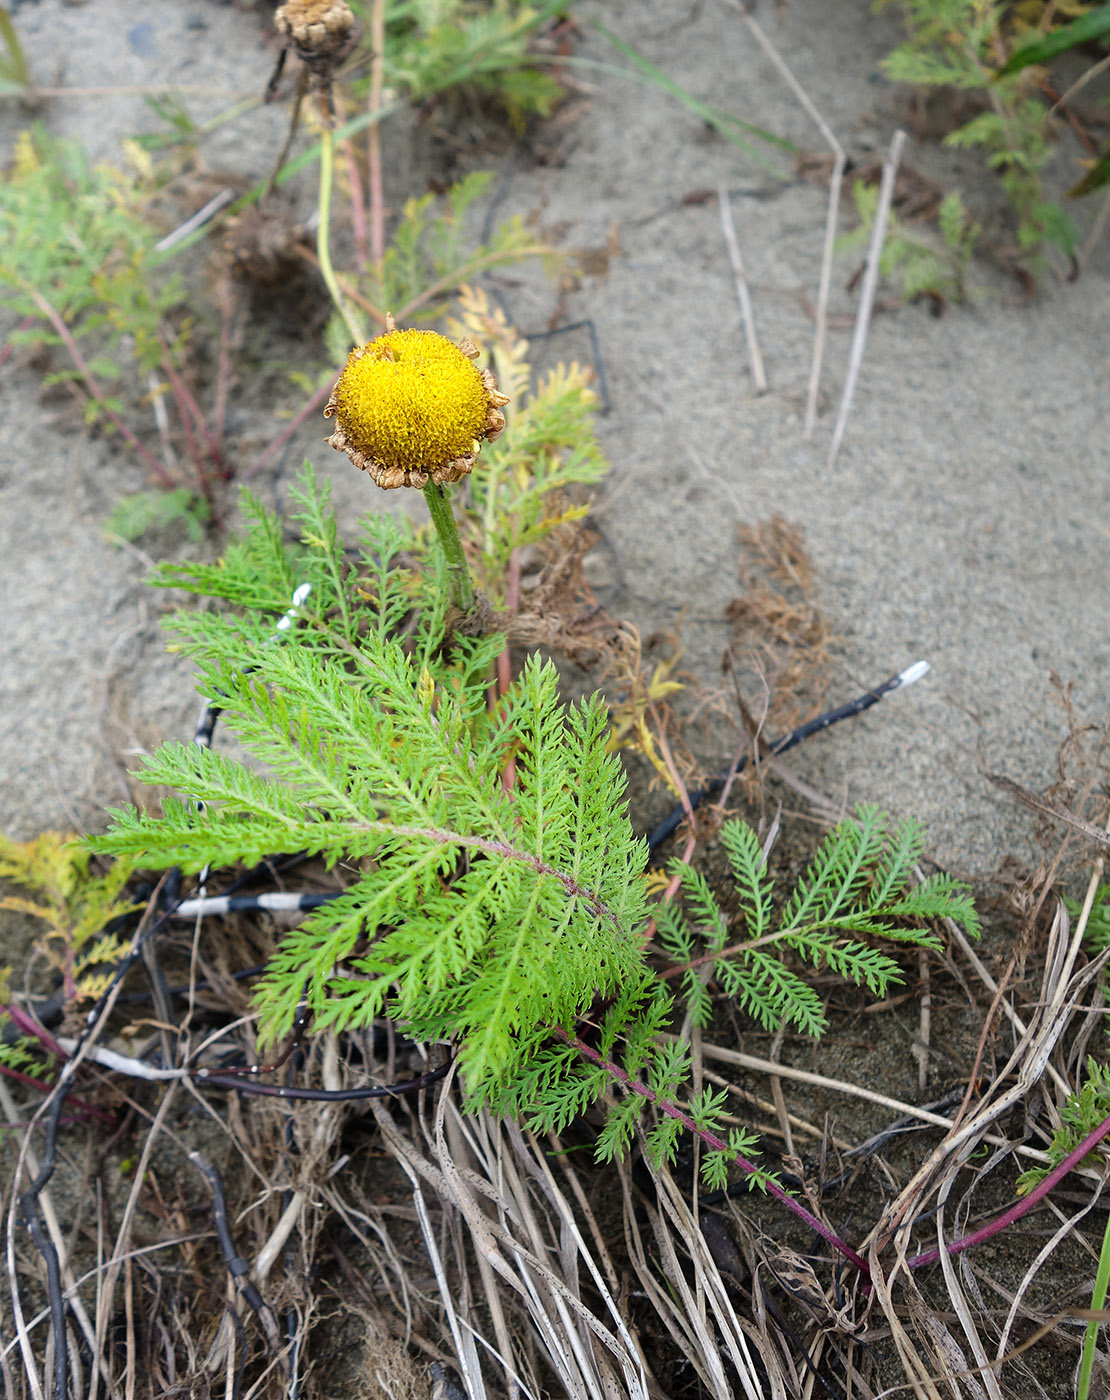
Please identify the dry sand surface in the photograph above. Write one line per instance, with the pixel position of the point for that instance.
(965, 521)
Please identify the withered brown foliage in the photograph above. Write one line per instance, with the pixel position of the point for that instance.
(559, 610)
(779, 650)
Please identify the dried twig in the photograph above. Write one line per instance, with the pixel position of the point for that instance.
(775, 1068)
(821, 316)
(531, 1246)
(743, 294)
(867, 292)
(195, 221)
(373, 137)
(1040, 804)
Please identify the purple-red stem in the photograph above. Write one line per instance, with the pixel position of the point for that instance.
(189, 408)
(223, 364)
(27, 1079)
(358, 207)
(1022, 1207)
(186, 425)
(672, 1110)
(31, 1028)
(87, 1110)
(374, 140)
(318, 398)
(154, 466)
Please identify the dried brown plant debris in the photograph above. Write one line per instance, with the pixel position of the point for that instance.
(560, 613)
(265, 246)
(319, 31)
(559, 610)
(1071, 813)
(779, 651)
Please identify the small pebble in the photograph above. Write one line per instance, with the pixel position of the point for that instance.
(141, 40)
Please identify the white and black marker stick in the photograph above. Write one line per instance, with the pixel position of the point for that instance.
(210, 711)
(797, 736)
(853, 707)
(275, 903)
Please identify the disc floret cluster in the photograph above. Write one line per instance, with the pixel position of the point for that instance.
(411, 408)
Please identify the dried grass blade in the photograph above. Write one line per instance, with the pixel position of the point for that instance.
(867, 292)
(743, 291)
(821, 318)
(731, 1331)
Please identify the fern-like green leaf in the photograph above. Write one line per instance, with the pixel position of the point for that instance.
(858, 887)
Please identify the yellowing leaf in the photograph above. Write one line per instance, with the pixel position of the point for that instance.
(425, 688)
(656, 881)
(138, 159)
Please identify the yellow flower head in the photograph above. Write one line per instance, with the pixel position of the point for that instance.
(411, 407)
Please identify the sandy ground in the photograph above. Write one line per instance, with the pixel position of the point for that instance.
(965, 521)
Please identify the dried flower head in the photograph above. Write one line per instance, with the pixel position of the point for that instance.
(264, 247)
(411, 407)
(319, 30)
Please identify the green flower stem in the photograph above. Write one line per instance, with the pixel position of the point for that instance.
(323, 236)
(443, 518)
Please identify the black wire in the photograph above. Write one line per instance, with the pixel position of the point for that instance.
(28, 1200)
(271, 866)
(672, 820)
(290, 1319)
(237, 1266)
(798, 1343)
(28, 1205)
(595, 349)
(206, 726)
(595, 345)
(250, 1087)
(54, 1292)
(243, 903)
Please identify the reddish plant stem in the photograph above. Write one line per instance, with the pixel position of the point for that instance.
(358, 206)
(374, 140)
(28, 1080)
(512, 602)
(352, 293)
(672, 1110)
(1022, 1207)
(29, 1026)
(189, 407)
(88, 1110)
(65, 335)
(186, 426)
(318, 398)
(223, 364)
